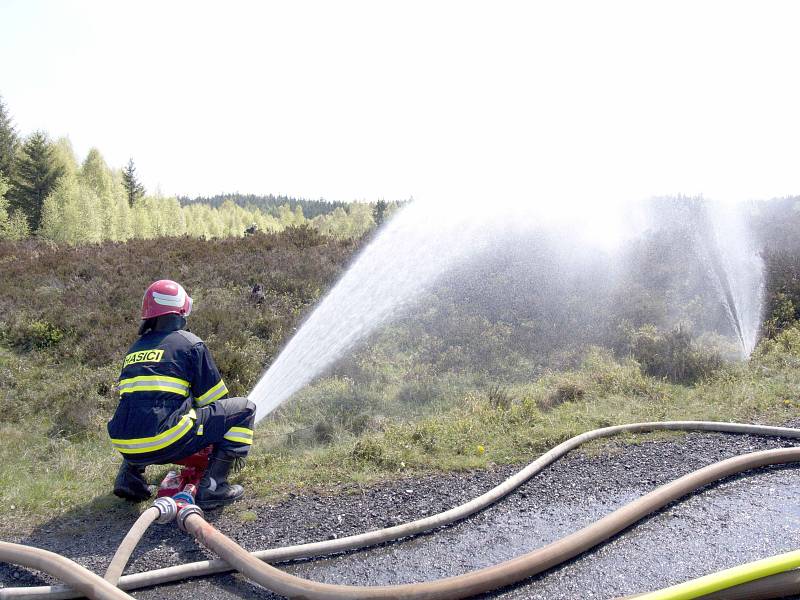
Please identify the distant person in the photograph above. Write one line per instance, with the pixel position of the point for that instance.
(173, 403)
(257, 294)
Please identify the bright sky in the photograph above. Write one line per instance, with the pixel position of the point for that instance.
(368, 100)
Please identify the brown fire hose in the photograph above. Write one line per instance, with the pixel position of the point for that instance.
(496, 576)
(128, 545)
(68, 571)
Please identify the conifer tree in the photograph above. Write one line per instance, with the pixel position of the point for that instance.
(13, 226)
(3, 201)
(379, 212)
(35, 173)
(133, 188)
(122, 210)
(8, 142)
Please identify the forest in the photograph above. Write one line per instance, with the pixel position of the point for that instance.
(47, 192)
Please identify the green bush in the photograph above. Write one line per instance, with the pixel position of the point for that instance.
(499, 397)
(368, 450)
(304, 236)
(34, 335)
(44, 335)
(672, 355)
(782, 314)
(336, 405)
(782, 292)
(566, 391)
(779, 352)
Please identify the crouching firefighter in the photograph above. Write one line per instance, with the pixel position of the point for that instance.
(173, 403)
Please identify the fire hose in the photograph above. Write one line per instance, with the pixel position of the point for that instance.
(129, 543)
(496, 576)
(474, 582)
(72, 573)
(702, 586)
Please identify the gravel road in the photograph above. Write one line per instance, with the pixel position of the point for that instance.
(739, 520)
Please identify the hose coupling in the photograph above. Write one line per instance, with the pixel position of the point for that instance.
(185, 512)
(167, 508)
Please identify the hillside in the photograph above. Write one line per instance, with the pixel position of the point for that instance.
(466, 383)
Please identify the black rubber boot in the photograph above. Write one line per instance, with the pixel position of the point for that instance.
(130, 483)
(214, 489)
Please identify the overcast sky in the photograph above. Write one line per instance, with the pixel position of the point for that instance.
(373, 100)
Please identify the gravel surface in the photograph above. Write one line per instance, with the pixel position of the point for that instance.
(739, 520)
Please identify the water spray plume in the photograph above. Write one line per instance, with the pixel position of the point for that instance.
(419, 244)
(735, 267)
(427, 239)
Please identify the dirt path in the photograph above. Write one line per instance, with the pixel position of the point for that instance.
(739, 520)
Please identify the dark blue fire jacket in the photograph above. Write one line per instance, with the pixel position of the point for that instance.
(166, 375)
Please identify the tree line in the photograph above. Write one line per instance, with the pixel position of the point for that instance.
(46, 192)
(270, 203)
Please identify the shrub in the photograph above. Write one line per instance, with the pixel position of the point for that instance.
(425, 435)
(566, 391)
(240, 365)
(304, 236)
(672, 355)
(781, 351)
(36, 335)
(782, 314)
(336, 404)
(368, 451)
(300, 437)
(323, 432)
(782, 301)
(499, 397)
(44, 335)
(268, 327)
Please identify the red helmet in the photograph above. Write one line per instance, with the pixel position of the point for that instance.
(165, 297)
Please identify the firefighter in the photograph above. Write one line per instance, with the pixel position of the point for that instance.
(173, 402)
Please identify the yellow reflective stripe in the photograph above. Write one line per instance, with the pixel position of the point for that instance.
(241, 430)
(233, 438)
(191, 416)
(155, 388)
(154, 383)
(154, 378)
(242, 435)
(215, 393)
(157, 442)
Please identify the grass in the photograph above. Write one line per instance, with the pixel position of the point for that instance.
(475, 433)
(45, 472)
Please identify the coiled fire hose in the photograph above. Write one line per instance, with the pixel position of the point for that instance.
(158, 576)
(76, 576)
